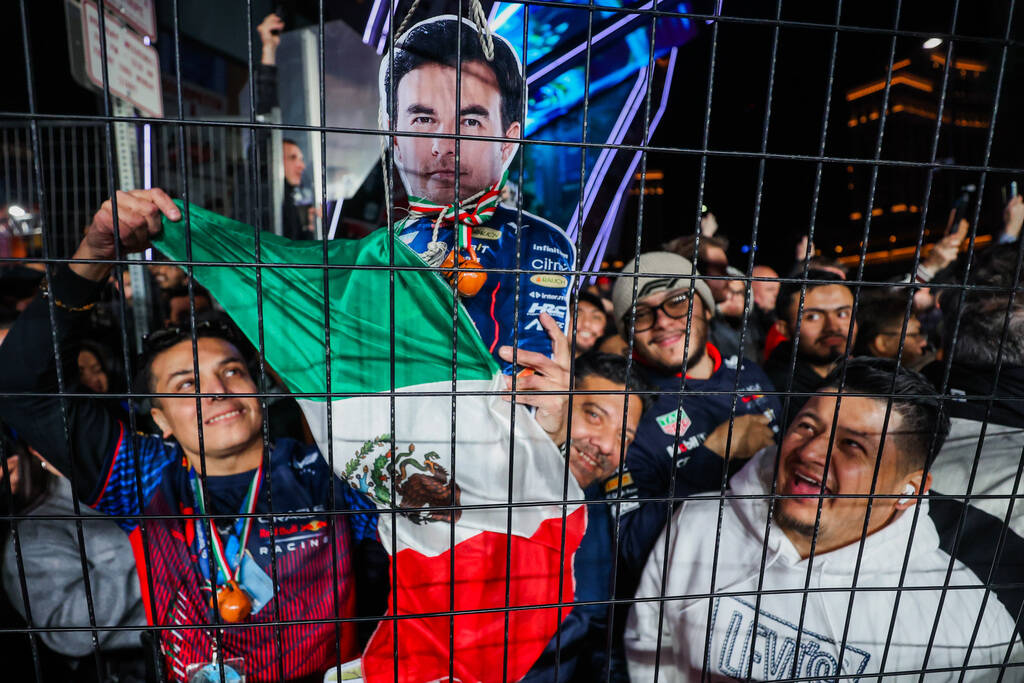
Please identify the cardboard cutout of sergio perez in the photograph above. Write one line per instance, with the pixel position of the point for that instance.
(424, 77)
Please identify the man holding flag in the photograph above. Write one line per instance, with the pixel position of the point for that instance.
(500, 558)
(403, 362)
(403, 380)
(291, 560)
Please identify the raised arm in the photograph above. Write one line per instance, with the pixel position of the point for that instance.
(27, 354)
(265, 72)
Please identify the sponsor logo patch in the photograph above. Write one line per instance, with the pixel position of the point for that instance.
(554, 310)
(667, 422)
(549, 280)
(617, 482)
(486, 233)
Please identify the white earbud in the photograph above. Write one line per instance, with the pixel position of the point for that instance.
(908, 490)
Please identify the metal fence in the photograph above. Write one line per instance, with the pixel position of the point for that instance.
(72, 161)
(64, 166)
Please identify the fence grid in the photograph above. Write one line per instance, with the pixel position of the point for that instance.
(63, 166)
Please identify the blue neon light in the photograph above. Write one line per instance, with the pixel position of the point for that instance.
(614, 55)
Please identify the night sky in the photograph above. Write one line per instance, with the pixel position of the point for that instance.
(741, 77)
(742, 68)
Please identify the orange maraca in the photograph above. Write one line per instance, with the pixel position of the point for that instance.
(468, 283)
(233, 603)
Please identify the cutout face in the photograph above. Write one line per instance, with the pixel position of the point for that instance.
(426, 104)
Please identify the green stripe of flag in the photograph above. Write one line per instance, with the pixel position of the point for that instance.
(359, 317)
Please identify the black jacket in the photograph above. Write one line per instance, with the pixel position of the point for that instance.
(804, 378)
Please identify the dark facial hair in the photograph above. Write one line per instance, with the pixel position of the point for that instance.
(787, 523)
(696, 349)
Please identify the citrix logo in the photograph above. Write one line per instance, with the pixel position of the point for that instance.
(546, 263)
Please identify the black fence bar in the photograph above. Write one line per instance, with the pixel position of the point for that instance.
(865, 426)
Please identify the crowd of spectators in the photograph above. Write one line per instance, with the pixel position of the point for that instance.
(740, 437)
(700, 419)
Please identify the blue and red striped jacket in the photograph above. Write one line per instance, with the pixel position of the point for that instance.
(313, 554)
(298, 540)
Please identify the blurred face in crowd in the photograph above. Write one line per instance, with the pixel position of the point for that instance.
(590, 324)
(596, 444)
(827, 316)
(887, 343)
(614, 344)
(231, 424)
(168, 276)
(924, 300)
(858, 433)
(178, 311)
(713, 261)
(765, 293)
(294, 163)
(664, 344)
(735, 299)
(91, 373)
(426, 104)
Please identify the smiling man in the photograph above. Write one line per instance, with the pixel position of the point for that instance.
(298, 541)
(863, 474)
(604, 424)
(822, 331)
(683, 442)
(439, 105)
(591, 322)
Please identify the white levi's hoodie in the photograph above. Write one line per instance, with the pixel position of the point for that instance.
(814, 649)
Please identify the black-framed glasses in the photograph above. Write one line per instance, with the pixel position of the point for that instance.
(675, 306)
(910, 335)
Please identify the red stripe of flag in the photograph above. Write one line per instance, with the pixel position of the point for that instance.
(422, 586)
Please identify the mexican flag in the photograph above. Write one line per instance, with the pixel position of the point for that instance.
(443, 494)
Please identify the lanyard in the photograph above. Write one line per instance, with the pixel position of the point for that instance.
(468, 213)
(248, 507)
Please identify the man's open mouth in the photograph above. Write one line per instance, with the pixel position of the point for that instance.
(806, 485)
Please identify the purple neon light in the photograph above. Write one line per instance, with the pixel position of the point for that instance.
(603, 160)
(582, 46)
(601, 243)
(382, 42)
(371, 21)
(718, 13)
(498, 19)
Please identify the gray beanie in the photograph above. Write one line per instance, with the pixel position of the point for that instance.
(672, 271)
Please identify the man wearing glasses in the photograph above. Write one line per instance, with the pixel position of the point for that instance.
(880, 329)
(683, 443)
